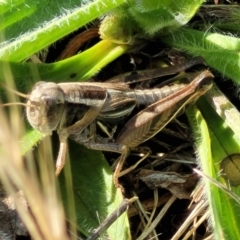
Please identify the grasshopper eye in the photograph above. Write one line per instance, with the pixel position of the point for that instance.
(32, 111)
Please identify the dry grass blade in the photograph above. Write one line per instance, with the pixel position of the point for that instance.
(157, 219)
(46, 218)
(198, 209)
(196, 225)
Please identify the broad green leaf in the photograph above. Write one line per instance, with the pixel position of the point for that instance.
(29, 26)
(219, 51)
(163, 16)
(137, 20)
(215, 141)
(224, 108)
(77, 68)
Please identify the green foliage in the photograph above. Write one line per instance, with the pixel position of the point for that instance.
(216, 141)
(219, 51)
(29, 26)
(147, 19)
(33, 25)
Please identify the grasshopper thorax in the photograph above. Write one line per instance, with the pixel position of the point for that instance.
(45, 106)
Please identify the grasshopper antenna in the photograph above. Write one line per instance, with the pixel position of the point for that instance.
(17, 93)
(14, 104)
(14, 91)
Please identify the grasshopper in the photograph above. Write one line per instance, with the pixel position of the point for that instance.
(74, 109)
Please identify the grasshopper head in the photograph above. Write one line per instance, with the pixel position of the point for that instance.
(45, 106)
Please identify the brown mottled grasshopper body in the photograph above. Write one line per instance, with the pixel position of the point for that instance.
(73, 110)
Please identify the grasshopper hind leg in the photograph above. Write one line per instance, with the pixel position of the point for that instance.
(112, 147)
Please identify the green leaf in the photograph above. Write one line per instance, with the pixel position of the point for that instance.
(138, 20)
(29, 140)
(33, 25)
(77, 68)
(216, 141)
(164, 16)
(224, 108)
(219, 51)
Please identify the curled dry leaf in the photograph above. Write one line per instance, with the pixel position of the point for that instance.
(180, 186)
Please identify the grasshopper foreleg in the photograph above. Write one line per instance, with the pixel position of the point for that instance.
(61, 156)
(65, 132)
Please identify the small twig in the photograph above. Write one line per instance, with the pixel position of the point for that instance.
(96, 233)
